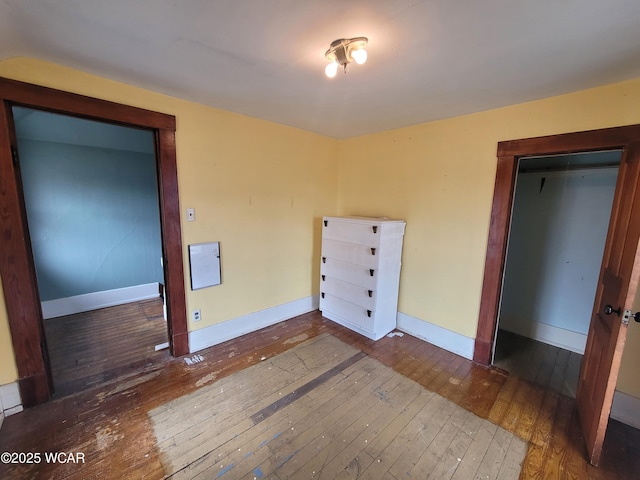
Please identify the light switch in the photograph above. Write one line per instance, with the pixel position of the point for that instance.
(191, 214)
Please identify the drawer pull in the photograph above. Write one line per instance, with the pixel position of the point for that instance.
(369, 313)
(371, 271)
(324, 259)
(322, 293)
(324, 277)
(375, 229)
(373, 251)
(326, 222)
(370, 292)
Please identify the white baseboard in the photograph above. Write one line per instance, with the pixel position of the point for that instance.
(96, 300)
(436, 335)
(10, 399)
(626, 409)
(236, 327)
(558, 337)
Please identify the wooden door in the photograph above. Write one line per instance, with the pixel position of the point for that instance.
(615, 293)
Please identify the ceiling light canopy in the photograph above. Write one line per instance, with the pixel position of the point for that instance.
(344, 51)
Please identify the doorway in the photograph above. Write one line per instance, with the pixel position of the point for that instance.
(508, 155)
(560, 217)
(619, 274)
(16, 260)
(92, 207)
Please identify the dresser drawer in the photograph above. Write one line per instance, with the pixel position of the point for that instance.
(350, 253)
(355, 314)
(362, 296)
(360, 270)
(351, 232)
(347, 272)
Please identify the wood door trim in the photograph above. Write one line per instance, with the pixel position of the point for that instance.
(16, 261)
(45, 98)
(508, 153)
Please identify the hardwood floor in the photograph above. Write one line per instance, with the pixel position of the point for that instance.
(111, 424)
(325, 410)
(545, 365)
(89, 348)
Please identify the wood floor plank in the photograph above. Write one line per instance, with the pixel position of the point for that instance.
(492, 462)
(558, 450)
(512, 464)
(405, 463)
(322, 414)
(533, 465)
(387, 454)
(541, 437)
(447, 368)
(365, 430)
(573, 462)
(425, 372)
(318, 424)
(476, 452)
(529, 411)
(440, 458)
(542, 364)
(388, 476)
(543, 427)
(249, 452)
(232, 416)
(549, 357)
(355, 468)
(456, 386)
(394, 430)
(340, 434)
(196, 418)
(483, 390)
(503, 401)
(109, 421)
(514, 410)
(89, 348)
(557, 379)
(315, 446)
(572, 374)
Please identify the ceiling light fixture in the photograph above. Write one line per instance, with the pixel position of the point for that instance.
(343, 51)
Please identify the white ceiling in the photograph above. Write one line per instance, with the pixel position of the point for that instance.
(428, 59)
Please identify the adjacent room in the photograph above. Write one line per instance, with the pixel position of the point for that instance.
(91, 196)
(330, 239)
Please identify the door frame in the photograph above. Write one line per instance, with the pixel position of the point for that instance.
(508, 154)
(17, 267)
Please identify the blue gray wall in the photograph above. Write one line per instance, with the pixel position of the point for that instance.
(93, 211)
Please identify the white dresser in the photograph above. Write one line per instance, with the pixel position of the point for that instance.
(360, 273)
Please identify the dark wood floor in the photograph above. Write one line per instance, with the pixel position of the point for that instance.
(543, 364)
(110, 424)
(90, 348)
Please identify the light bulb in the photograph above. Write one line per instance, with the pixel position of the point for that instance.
(360, 56)
(331, 69)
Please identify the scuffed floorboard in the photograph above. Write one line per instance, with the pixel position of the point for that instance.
(324, 410)
(110, 423)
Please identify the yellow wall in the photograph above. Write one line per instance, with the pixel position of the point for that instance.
(8, 372)
(628, 379)
(439, 177)
(258, 187)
